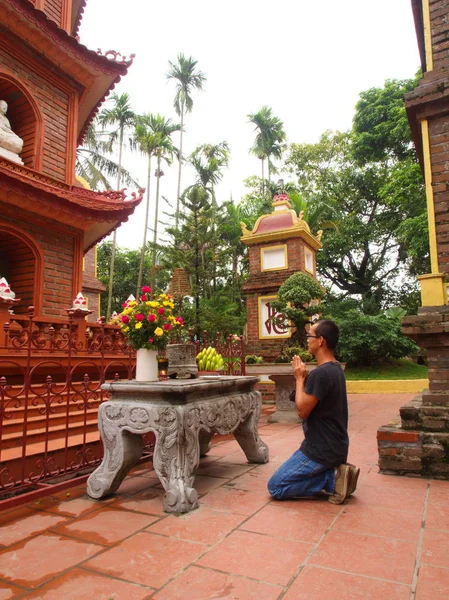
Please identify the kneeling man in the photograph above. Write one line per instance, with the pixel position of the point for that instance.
(320, 398)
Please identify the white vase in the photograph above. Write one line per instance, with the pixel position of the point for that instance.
(146, 365)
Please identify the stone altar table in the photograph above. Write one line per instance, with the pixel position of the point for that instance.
(183, 415)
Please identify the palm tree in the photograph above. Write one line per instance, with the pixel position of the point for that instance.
(93, 164)
(152, 136)
(209, 160)
(188, 78)
(269, 137)
(121, 116)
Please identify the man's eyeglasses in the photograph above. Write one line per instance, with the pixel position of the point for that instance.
(308, 335)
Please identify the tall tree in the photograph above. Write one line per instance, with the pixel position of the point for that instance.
(121, 117)
(209, 161)
(270, 136)
(372, 192)
(188, 78)
(190, 244)
(152, 136)
(94, 164)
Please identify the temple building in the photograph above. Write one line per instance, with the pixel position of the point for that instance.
(50, 89)
(280, 245)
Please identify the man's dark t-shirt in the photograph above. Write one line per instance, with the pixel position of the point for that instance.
(326, 428)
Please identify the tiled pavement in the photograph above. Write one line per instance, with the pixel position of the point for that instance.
(389, 541)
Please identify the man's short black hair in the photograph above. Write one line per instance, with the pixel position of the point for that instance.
(329, 331)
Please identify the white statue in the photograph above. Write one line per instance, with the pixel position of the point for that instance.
(10, 143)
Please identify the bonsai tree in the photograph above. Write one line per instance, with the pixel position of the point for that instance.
(297, 301)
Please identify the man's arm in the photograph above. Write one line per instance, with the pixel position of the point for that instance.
(304, 403)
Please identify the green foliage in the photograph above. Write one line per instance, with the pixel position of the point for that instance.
(380, 123)
(253, 359)
(371, 339)
(297, 301)
(288, 353)
(400, 369)
(366, 186)
(126, 272)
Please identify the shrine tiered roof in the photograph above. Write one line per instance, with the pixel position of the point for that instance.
(96, 72)
(95, 213)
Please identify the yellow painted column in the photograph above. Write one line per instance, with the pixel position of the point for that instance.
(427, 35)
(433, 288)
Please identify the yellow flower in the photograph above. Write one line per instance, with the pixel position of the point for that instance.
(127, 311)
(138, 325)
(172, 319)
(158, 331)
(132, 303)
(152, 303)
(125, 329)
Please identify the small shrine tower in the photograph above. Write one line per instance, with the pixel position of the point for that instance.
(280, 245)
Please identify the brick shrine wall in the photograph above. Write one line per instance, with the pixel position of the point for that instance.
(53, 102)
(58, 253)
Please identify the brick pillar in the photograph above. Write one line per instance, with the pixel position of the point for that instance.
(419, 442)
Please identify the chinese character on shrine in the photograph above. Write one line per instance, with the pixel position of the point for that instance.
(271, 323)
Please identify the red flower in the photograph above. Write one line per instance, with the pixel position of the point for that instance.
(125, 304)
(140, 317)
(167, 326)
(150, 340)
(125, 319)
(161, 310)
(151, 318)
(146, 289)
(142, 298)
(180, 320)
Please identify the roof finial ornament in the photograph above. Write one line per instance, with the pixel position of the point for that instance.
(280, 189)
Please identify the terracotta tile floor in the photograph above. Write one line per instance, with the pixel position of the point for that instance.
(390, 541)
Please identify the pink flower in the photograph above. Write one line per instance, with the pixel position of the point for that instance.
(180, 320)
(150, 340)
(140, 317)
(125, 304)
(161, 310)
(142, 298)
(167, 326)
(125, 319)
(151, 318)
(146, 289)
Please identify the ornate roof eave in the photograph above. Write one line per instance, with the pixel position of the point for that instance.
(96, 213)
(78, 7)
(298, 230)
(98, 73)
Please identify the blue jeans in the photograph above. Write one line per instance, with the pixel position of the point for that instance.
(299, 476)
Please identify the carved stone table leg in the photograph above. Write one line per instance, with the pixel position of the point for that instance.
(122, 450)
(204, 439)
(176, 458)
(256, 451)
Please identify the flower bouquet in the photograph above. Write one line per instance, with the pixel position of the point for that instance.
(148, 323)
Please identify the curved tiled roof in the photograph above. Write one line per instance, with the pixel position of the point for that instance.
(275, 222)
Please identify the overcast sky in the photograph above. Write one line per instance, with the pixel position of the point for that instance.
(307, 60)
